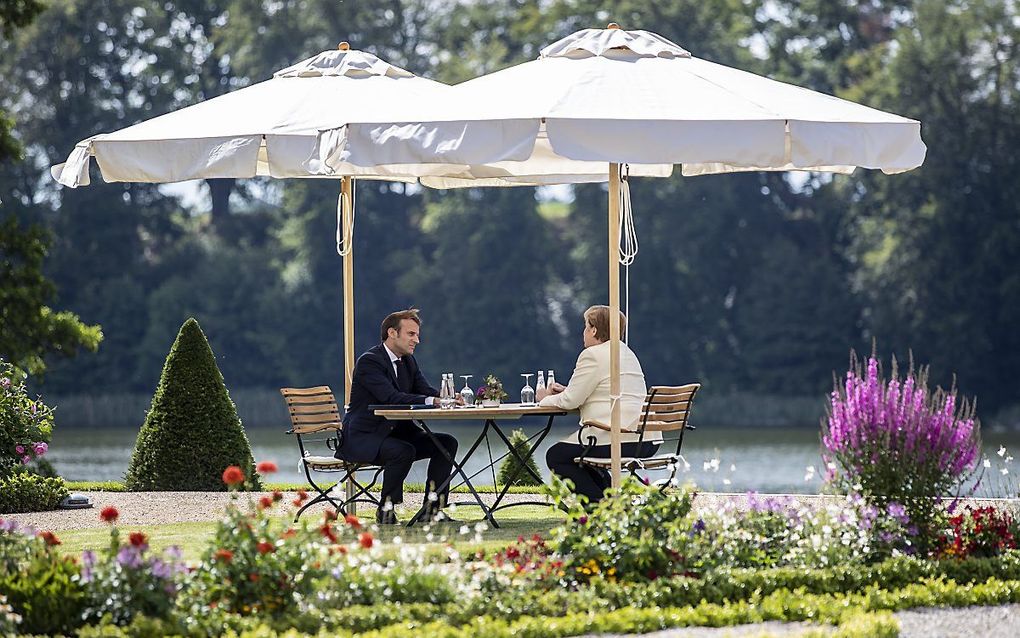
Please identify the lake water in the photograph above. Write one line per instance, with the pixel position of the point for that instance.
(761, 459)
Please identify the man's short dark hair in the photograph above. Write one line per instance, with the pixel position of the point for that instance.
(393, 320)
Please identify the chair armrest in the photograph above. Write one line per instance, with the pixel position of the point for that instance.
(602, 426)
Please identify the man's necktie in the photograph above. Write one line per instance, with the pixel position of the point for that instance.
(403, 377)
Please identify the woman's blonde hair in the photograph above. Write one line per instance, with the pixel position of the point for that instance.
(598, 317)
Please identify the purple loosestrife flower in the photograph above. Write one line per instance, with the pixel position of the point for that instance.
(898, 442)
(40, 448)
(20, 449)
(898, 512)
(129, 556)
(161, 569)
(88, 561)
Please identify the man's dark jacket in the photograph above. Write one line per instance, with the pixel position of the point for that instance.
(375, 383)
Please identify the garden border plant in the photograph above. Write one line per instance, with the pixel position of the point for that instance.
(26, 426)
(902, 447)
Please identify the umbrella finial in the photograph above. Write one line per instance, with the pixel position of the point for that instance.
(344, 46)
(612, 25)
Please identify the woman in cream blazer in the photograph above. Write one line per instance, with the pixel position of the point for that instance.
(588, 391)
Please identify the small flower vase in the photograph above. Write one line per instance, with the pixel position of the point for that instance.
(490, 403)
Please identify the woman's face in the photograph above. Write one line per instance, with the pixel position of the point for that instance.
(589, 335)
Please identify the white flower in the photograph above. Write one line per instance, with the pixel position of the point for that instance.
(712, 465)
(1002, 450)
(464, 530)
(726, 481)
(831, 465)
(987, 463)
(1004, 471)
(733, 467)
(480, 527)
(1009, 458)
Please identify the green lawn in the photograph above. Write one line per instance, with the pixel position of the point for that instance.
(193, 538)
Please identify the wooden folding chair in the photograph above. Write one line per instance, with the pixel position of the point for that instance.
(315, 419)
(666, 409)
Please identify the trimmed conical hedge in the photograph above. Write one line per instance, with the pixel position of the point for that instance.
(521, 443)
(192, 432)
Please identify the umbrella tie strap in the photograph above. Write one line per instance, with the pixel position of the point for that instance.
(344, 231)
(628, 248)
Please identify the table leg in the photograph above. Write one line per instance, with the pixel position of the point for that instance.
(458, 468)
(522, 464)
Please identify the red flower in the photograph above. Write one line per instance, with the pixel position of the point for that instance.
(327, 531)
(233, 475)
(109, 514)
(253, 577)
(353, 521)
(267, 467)
(277, 496)
(329, 516)
(302, 496)
(289, 533)
(224, 555)
(342, 549)
(49, 537)
(265, 502)
(265, 547)
(138, 539)
(366, 540)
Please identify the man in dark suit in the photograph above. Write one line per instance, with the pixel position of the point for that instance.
(389, 375)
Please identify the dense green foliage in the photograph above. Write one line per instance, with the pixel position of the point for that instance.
(27, 483)
(192, 433)
(763, 282)
(28, 492)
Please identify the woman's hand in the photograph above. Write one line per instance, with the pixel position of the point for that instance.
(556, 388)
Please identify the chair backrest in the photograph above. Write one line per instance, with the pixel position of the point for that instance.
(311, 409)
(668, 408)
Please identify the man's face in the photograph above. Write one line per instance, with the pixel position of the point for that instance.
(403, 341)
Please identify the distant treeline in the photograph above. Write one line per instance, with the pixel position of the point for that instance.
(757, 285)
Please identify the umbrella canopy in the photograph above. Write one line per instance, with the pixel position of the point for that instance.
(609, 95)
(266, 129)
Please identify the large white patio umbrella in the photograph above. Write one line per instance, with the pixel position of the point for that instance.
(623, 98)
(266, 129)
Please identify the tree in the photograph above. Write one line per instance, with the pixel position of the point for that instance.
(31, 328)
(191, 433)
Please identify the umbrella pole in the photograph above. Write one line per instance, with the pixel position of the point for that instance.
(346, 188)
(348, 284)
(614, 322)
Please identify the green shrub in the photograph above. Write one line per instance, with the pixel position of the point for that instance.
(192, 432)
(27, 492)
(126, 580)
(635, 532)
(519, 442)
(40, 584)
(26, 424)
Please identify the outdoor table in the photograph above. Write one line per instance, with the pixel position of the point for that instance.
(491, 417)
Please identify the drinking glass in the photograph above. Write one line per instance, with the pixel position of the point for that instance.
(466, 392)
(527, 392)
